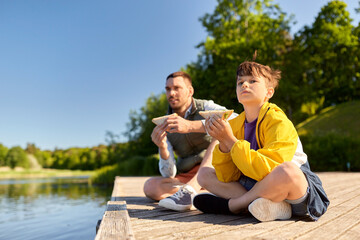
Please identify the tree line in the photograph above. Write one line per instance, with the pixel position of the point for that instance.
(320, 67)
(71, 158)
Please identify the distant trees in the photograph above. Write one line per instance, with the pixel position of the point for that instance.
(16, 157)
(3, 152)
(320, 67)
(140, 127)
(235, 30)
(319, 64)
(323, 65)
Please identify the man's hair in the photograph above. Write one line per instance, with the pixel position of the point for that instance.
(180, 74)
(256, 70)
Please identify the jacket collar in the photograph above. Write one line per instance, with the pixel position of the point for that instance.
(192, 109)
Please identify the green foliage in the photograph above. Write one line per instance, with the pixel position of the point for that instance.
(134, 166)
(16, 157)
(332, 152)
(342, 119)
(236, 29)
(331, 139)
(105, 175)
(3, 152)
(140, 126)
(327, 57)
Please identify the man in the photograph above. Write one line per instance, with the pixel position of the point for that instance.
(183, 133)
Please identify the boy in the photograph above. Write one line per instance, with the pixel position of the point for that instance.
(259, 163)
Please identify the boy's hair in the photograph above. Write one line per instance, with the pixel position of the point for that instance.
(180, 74)
(256, 70)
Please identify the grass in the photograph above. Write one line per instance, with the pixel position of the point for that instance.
(343, 119)
(19, 173)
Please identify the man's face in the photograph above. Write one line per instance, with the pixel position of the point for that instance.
(178, 92)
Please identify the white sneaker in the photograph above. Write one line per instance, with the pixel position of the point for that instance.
(181, 200)
(266, 210)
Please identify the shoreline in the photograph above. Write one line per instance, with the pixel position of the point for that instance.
(18, 173)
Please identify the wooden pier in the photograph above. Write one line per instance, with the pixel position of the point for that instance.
(130, 215)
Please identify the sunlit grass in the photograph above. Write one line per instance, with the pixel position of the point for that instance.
(343, 119)
(7, 173)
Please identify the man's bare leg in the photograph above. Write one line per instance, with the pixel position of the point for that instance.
(206, 162)
(158, 188)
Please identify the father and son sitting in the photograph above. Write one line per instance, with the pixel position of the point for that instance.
(252, 161)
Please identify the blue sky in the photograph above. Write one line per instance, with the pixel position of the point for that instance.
(71, 70)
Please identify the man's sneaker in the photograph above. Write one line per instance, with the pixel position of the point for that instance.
(179, 201)
(266, 210)
(210, 203)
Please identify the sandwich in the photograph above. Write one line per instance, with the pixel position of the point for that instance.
(160, 120)
(224, 114)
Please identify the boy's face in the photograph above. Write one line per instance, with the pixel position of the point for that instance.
(253, 91)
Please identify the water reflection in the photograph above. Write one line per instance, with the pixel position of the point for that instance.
(52, 208)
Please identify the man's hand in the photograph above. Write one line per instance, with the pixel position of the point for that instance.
(178, 124)
(221, 130)
(158, 135)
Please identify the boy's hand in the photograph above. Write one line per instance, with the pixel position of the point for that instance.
(220, 130)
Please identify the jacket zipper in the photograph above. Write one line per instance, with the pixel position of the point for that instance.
(258, 130)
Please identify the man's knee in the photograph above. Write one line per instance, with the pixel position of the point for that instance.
(204, 176)
(151, 189)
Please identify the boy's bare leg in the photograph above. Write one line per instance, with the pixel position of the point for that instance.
(208, 180)
(286, 181)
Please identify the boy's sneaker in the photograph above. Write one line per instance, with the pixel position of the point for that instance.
(266, 210)
(179, 201)
(210, 203)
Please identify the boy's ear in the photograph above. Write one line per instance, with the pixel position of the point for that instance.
(270, 92)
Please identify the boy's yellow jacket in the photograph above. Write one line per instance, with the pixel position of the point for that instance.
(277, 140)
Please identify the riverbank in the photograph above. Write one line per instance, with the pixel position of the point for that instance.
(20, 173)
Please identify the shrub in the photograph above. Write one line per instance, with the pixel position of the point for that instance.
(332, 152)
(134, 166)
(16, 157)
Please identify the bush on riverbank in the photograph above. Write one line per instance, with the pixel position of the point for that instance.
(134, 166)
(19, 172)
(332, 152)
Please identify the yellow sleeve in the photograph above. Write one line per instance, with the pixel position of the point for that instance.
(226, 170)
(278, 139)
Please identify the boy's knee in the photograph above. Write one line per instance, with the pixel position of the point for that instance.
(289, 172)
(204, 175)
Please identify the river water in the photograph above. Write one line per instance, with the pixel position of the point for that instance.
(51, 208)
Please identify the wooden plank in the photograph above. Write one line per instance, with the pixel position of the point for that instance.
(115, 223)
(345, 217)
(148, 221)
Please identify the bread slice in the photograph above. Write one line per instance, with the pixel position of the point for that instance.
(160, 120)
(224, 114)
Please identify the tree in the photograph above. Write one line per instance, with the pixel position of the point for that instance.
(16, 157)
(140, 127)
(236, 29)
(328, 51)
(3, 152)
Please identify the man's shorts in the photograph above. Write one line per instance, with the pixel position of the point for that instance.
(187, 176)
